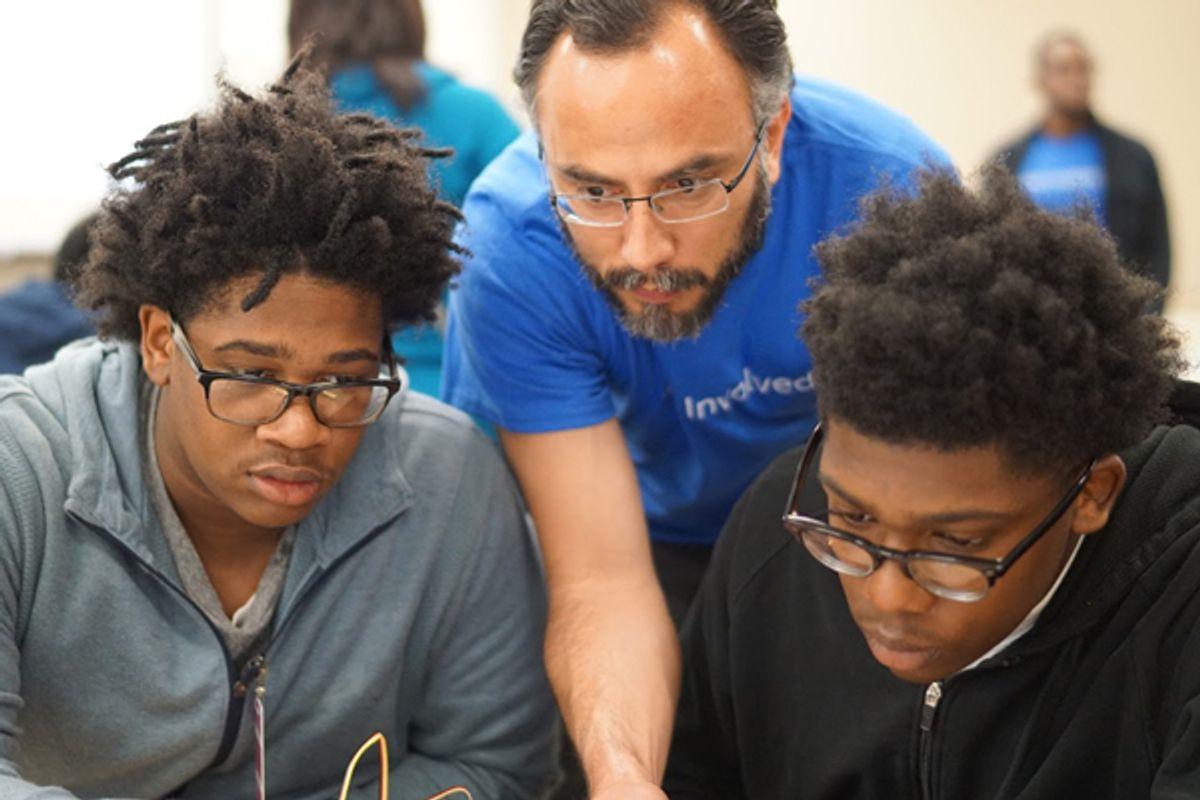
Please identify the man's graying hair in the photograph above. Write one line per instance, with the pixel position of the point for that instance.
(752, 29)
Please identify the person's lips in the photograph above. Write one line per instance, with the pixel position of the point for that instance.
(655, 297)
(897, 653)
(286, 486)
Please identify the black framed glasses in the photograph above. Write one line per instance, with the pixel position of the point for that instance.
(700, 200)
(966, 579)
(257, 400)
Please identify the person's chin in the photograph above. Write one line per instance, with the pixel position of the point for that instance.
(910, 661)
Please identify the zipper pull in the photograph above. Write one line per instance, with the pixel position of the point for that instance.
(254, 676)
(933, 696)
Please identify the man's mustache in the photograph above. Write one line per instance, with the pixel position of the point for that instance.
(664, 279)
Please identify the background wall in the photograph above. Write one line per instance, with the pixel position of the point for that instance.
(84, 79)
(962, 68)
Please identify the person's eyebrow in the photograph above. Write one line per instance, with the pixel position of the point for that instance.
(283, 352)
(255, 349)
(699, 163)
(946, 518)
(350, 356)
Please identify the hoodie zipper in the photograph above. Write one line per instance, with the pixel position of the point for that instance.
(933, 696)
(253, 675)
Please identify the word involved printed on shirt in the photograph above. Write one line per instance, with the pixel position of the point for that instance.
(743, 390)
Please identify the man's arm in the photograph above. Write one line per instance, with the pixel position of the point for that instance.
(611, 651)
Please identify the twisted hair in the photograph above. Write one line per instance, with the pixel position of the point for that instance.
(752, 29)
(268, 185)
(955, 320)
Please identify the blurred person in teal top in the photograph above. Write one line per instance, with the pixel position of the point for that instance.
(374, 52)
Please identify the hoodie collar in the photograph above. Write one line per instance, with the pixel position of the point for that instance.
(1159, 504)
(98, 396)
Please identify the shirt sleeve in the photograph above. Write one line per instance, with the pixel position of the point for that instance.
(522, 348)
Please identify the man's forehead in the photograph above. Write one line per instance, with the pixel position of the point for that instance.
(683, 79)
(1065, 49)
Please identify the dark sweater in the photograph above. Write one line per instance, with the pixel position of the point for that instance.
(782, 699)
(1137, 213)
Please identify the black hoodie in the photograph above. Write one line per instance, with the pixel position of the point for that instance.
(1101, 699)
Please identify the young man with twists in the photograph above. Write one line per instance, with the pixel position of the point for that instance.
(232, 546)
(985, 579)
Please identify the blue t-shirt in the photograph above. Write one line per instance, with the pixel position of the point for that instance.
(1059, 172)
(533, 347)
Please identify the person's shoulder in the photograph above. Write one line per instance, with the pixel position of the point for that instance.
(1128, 146)
(434, 438)
(50, 423)
(71, 375)
(1164, 475)
(465, 98)
(513, 186)
(423, 416)
(825, 115)
(754, 535)
(509, 228)
(1006, 153)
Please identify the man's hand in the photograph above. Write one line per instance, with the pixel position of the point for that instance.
(612, 653)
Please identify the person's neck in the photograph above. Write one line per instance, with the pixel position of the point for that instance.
(234, 552)
(1063, 123)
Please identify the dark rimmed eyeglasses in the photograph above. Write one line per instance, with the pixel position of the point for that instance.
(966, 579)
(258, 400)
(696, 201)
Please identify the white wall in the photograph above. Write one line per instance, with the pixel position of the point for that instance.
(962, 68)
(84, 79)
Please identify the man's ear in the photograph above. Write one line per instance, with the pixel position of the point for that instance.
(773, 139)
(157, 345)
(1095, 503)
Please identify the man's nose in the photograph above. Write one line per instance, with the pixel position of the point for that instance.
(646, 243)
(892, 592)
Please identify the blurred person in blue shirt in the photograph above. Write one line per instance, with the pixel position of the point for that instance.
(1070, 157)
(38, 317)
(374, 51)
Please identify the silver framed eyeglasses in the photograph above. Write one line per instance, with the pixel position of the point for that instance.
(258, 400)
(699, 200)
(966, 579)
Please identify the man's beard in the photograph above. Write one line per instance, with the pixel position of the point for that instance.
(657, 322)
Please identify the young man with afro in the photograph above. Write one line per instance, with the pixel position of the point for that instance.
(232, 546)
(986, 578)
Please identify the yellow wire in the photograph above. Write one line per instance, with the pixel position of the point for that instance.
(381, 740)
(452, 790)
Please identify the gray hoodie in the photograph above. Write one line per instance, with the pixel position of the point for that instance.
(412, 605)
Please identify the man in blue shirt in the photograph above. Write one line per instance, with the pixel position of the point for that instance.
(1070, 158)
(633, 339)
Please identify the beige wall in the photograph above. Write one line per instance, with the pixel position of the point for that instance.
(961, 70)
